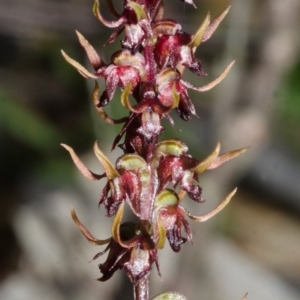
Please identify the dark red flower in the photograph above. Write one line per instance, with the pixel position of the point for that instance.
(176, 166)
(133, 19)
(131, 248)
(168, 212)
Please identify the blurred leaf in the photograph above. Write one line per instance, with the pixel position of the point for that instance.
(288, 110)
(26, 126)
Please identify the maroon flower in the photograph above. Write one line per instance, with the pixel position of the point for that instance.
(128, 181)
(126, 69)
(176, 166)
(169, 218)
(172, 218)
(131, 247)
(172, 90)
(134, 20)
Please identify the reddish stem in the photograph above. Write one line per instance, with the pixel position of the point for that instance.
(150, 61)
(141, 290)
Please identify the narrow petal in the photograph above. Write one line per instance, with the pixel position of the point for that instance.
(116, 224)
(79, 164)
(81, 69)
(125, 96)
(85, 232)
(116, 229)
(214, 24)
(110, 170)
(175, 96)
(138, 9)
(162, 235)
(110, 24)
(225, 157)
(126, 103)
(197, 38)
(212, 213)
(90, 51)
(212, 84)
(245, 296)
(203, 165)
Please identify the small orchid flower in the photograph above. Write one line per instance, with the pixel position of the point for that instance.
(129, 243)
(176, 166)
(134, 20)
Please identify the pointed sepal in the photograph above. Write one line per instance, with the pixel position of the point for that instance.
(126, 228)
(109, 24)
(203, 165)
(100, 110)
(81, 69)
(214, 24)
(225, 157)
(125, 100)
(93, 56)
(110, 170)
(116, 225)
(212, 213)
(85, 231)
(161, 234)
(80, 165)
(197, 38)
(212, 84)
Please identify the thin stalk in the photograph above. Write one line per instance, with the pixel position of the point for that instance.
(150, 61)
(141, 290)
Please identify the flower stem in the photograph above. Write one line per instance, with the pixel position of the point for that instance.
(141, 289)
